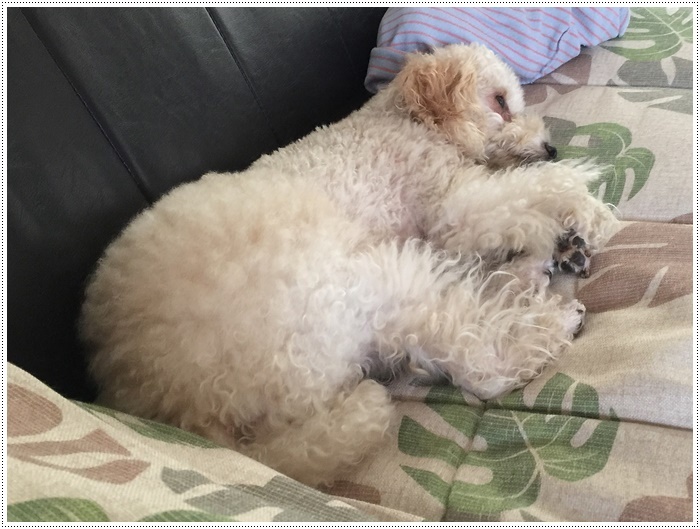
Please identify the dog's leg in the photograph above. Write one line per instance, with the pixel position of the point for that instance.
(494, 344)
(527, 210)
(488, 332)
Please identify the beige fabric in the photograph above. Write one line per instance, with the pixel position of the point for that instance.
(628, 377)
(69, 462)
(603, 435)
(607, 426)
(628, 102)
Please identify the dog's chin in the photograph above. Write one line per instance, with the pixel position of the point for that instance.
(503, 159)
(503, 162)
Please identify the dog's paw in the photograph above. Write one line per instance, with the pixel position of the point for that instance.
(573, 254)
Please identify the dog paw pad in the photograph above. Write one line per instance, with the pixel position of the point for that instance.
(573, 255)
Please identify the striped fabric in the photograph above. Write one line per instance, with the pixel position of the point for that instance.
(533, 41)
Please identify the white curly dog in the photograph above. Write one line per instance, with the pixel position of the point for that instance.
(253, 308)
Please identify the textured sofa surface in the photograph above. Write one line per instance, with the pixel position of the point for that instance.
(110, 108)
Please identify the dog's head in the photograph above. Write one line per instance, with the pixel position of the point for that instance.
(475, 101)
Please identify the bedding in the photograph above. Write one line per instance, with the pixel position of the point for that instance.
(533, 41)
(604, 435)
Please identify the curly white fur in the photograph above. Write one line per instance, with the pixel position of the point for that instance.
(250, 307)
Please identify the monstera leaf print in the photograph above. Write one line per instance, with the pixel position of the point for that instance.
(416, 440)
(355, 491)
(663, 275)
(567, 78)
(654, 33)
(56, 510)
(512, 448)
(186, 516)
(102, 458)
(29, 413)
(674, 100)
(152, 429)
(284, 499)
(672, 72)
(625, 168)
(656, 37)
(660, 508)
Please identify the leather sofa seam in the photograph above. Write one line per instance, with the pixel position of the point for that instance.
(245, 75)
(140, 185)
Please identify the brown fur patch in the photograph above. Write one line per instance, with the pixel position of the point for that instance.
(436, 91)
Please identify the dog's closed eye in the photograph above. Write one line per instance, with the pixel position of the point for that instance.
(501, 107)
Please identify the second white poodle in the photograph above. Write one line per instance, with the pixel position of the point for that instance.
(253, 308)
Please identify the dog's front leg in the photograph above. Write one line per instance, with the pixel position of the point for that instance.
(530, 210)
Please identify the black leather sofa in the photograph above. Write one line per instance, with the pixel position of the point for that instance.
(109, 108)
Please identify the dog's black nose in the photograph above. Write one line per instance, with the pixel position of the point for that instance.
(551, 151)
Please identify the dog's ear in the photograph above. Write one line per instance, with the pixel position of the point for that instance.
(441, 91)
(433, 90)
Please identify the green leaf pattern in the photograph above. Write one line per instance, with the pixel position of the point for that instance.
(294, 502)
(653, 34)
(625, 168)
(660, 78)
(642, 80)
(511, 447)
(680, 101)
(152, 429)
(56, 510)
(282, 499)
(185, 516)
(476, 461)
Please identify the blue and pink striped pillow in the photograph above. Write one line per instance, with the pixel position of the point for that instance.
(533, 41)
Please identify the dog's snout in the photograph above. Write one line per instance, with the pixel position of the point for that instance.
(551, 151)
